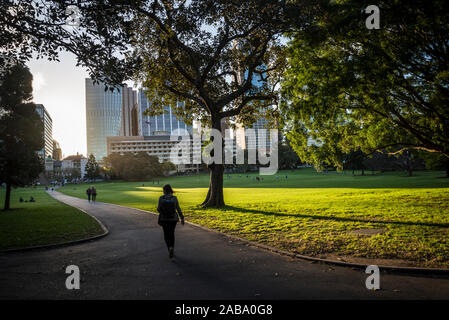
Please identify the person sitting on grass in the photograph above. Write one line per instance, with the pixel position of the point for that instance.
(168, 208)
(21, 199)
(32, 199)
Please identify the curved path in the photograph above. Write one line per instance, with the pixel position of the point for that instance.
(132, 262)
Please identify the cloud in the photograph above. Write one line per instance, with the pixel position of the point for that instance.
(38, 81)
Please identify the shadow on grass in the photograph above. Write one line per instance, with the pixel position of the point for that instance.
(318, 217)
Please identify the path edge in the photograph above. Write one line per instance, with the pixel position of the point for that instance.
(387, 268)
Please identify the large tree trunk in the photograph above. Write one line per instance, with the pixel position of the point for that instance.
(214, 197)
(7, 196)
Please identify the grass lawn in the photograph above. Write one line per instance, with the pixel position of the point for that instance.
(313, 213)
(46, 221)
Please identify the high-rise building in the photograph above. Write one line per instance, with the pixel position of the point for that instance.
(256, 141)
(57, 151)
(157, 125)
(103, 117)
(120, 113)
(130, 115)
(47, 133)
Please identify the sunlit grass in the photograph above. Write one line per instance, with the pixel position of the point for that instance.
(314, 214)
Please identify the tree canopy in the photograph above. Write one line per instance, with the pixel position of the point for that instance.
(349, 87)
(212, 59)
(138, 166)
(93, 33)
(92, 168)
(21, 131)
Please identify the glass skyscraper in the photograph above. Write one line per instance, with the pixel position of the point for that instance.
(157, 125)
(103, 117)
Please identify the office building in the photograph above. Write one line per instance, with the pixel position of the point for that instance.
(130, 114)
(108, 113)
(57, 151)
(257, 141)
(163, 124)
(47, 133)
(156, 145)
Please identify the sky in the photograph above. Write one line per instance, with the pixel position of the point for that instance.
(59, 86)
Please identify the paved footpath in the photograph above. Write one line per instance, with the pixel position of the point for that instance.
(132, 263)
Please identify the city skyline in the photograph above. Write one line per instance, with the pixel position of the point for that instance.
(59, 86)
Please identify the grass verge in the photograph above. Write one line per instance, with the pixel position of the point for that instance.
(46, 221)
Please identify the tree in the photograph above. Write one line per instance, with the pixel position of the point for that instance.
(167, 167)
(92, 168)
(98, 39)
(351, 88)
(355, 161)
(136, 166)
(71, 173)
(436, 162)
(206, 53)
(222, 59)
(288, 159)
(20, 131)
(379, 161)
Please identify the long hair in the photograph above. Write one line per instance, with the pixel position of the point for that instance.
(167, 189)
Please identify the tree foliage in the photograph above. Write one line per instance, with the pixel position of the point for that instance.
(350, 88)
(136, 166)
(92, 168)
(212, 59)
(288, 159)
(43, 29)
(20, 131)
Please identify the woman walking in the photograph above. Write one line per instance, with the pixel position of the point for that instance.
(168, 208)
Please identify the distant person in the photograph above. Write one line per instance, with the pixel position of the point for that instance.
(32, 199)
(21, 199)
(89, 193)
(169, 210)
(93, 193)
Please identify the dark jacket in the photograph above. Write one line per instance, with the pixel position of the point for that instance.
(168, 208)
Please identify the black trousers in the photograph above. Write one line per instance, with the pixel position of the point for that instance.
(169, 232)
